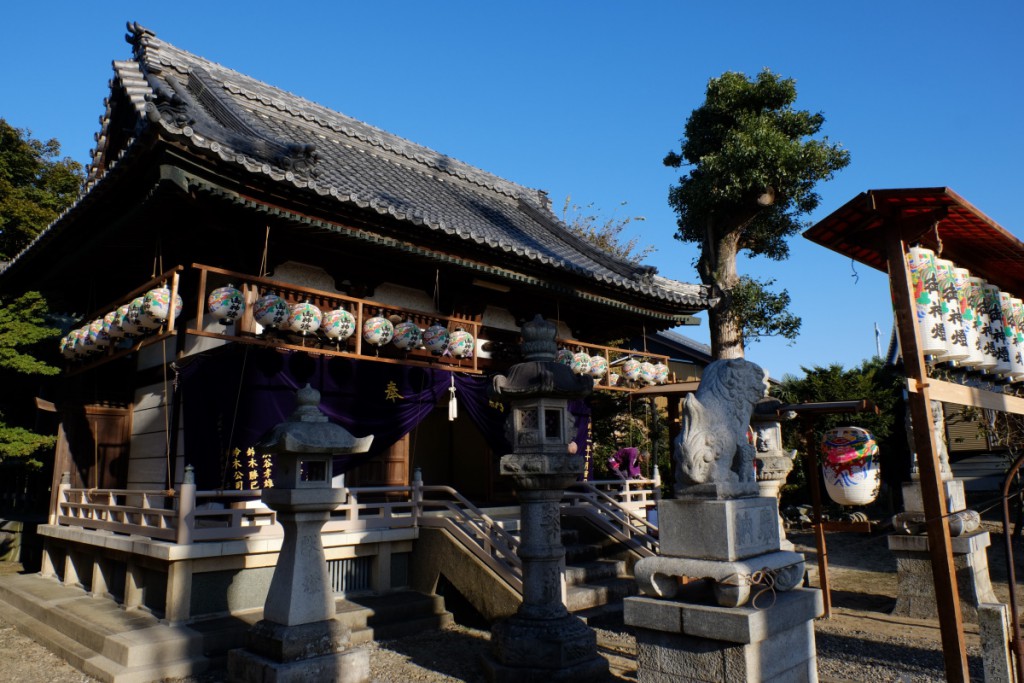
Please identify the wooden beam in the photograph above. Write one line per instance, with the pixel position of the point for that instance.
(947, 598)
(949, 392)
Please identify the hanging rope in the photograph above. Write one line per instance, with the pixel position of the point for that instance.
(266, 249)
(167, 422)
(938, 240)
(453, 405)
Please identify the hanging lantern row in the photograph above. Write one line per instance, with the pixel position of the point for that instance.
(643, 372)
(143, 315)
(964, 319)
(272, 311)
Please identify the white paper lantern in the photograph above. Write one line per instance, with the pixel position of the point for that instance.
(435, 338)
(580, 363)
(956, 338)
(613, 379)
(117, 329)
(1018, 321)
(83, 345)
(67, 345)
(598, 366)
(660, 373)
(98, 335)
(996, 336)
(133, 323)
(647, 372)
(969, 312)
(338, 324)
(407, 335)
(226, 304)
(271, 310)
(565, 357)
(304, 318)
(1011, 334)
(927, 300)
(986, 344)
(631, 369)
(461, 344)
(156, 306)
(378, 330)
(851, 466)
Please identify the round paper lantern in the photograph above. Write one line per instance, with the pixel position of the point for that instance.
(461, 344)
(133, 323)
(156, 306)
(580, 363)
(1015, 355)
(647, 371)
(660, 373)
(110, 326)
(613, 379)
(956, 338)
(67, 346)
(631, 369)
(226, 304)
(850, 466)
(968, 304)
(435, 338)
(270, 310)
(996, 333)
(986, 347)
(338, 324)
(304, 318)
(378, 330)
(83, 344)
(598, 366)
(407, 335)
(98, 335)
(928, 302)
(565, 357)
(120, 319)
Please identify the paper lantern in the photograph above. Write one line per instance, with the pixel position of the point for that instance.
(435, 338)
(133, 323)
(226, 304)
(67, 345)
(1012, 336)
(850, 466)
(407, 335)
(338, 324)
(613, 379)
(304, 318)
(378, 330)
(968, 303)
(952, 317)
(83, 344)
(565, 357)
(927, 300)
(271, 310)
(646, 373)
(1018, 319)
(580, 363)
(461, 344)
(631, 369)
(996, 335)
(598, 366)
(983, 326)
(660, 373)
(156, 306)
(110, 326)
(98, 335)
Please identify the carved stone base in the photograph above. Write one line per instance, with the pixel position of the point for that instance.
(275, 653)
(543, 650)
(727, 530)
(732, 581)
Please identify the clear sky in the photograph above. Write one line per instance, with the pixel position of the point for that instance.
(585, 98)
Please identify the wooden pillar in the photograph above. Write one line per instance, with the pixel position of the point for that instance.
(811, 463)
(946, 596)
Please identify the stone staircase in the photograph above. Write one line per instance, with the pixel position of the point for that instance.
(98, 637)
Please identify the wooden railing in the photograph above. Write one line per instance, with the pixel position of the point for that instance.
(620, 509)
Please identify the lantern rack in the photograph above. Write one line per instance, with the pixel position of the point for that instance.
(613, 379)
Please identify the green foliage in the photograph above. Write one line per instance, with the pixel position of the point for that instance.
(753, 165)
(605, 233)
(35, 186)
(17, 442)
(763, 312)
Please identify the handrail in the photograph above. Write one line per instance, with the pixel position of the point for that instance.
(615, 517)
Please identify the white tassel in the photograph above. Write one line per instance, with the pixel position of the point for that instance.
(453, 406)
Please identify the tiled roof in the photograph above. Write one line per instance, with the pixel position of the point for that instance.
(268, 132)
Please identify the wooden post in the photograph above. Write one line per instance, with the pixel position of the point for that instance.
(811, 463)
(939, 546)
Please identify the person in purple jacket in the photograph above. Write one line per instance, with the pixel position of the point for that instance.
(625, 463)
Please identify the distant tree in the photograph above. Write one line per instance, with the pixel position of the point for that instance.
(36, 184)
(752, 172)
(23, 324)
(605, 233)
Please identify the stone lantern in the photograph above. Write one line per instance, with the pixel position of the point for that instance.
(542, 641)
(299, 638)
(773, 463)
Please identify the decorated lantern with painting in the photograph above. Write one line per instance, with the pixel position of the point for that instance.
(83, 344)
(67, 345)
(928, 302)
(647, 372)
(407, 335)
(598, 366)
(435, 338)
(565, 357)
(631, 369)
(378, 330)
(660, 373)
(338, 324)
(850, 465)
(461, 344)
(304, 318)
(580, 363)
(98, 335)
(133, 324)
(156, 306)
(271, 310)
(226, 304)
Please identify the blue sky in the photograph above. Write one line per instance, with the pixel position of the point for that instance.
(585, 99)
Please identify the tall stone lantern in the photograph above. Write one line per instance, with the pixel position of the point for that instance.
(299, 638)
(542, 641)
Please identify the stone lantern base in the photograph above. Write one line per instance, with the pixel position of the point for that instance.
(543, 650)
(275, 653)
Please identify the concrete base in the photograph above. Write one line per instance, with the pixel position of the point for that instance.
(543, 650)
(661, 576)
(915, 589)
(686, 642)
(725, 530)
(275, 653)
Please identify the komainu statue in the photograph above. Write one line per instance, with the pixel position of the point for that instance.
(713, 447)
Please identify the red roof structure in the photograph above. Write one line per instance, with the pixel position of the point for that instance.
(943, 222)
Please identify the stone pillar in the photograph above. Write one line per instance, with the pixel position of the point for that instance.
(542, 641)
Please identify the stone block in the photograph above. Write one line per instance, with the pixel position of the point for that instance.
(718, 529)
(654, 614)
(972, 542)
(913, 499)
(995, 636)
(352, 666)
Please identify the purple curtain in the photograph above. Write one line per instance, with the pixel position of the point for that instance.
(234, 395)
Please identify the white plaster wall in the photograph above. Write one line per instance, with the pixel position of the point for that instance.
(147, 467)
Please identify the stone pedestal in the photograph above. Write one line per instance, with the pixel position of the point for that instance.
(915, 593)
(678, 641)
(299, 654)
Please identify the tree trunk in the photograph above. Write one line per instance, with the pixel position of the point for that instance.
(718, 270)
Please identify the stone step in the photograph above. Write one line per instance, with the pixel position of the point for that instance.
(607, 616)
(597, 593)
(595, 570)
(399, 614)
(578, 553)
